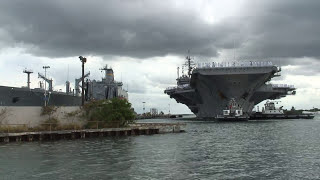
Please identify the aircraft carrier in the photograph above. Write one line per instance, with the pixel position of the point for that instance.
(107, 88)
(208, 88)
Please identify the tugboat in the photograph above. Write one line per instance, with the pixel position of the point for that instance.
(232, 113)
(271, 112)
(270, 109)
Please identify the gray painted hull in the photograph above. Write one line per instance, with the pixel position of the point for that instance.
(12, 96)
(191, 99)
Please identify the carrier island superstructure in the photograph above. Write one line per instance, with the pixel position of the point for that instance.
(208, 88)
(107, 88)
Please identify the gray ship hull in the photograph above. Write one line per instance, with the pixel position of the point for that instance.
(190, 98)
(107, 88)
(13, 96)
(218, 86)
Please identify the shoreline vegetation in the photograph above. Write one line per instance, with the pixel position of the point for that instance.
(114, 113)
(294, 111)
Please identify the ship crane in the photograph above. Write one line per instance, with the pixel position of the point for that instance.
(77, 83)
(49, 81)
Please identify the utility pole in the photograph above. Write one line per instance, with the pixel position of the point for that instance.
(45, 84)
(143, 103)
(83, 60)
(169, 109)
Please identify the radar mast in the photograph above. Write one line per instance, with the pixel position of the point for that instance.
(109, 76)
(190, 64)
(28, 72)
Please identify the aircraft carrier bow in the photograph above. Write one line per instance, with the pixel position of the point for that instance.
(209, 87)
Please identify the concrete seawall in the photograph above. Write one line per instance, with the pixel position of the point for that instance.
(31, 115)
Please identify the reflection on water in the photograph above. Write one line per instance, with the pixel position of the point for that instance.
(287, 149)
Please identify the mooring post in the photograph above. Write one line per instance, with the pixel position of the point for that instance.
(40, 137)
(6, 139)
(18, 138)
(30, 137)
(101, 134)
(73, 135)
(83, 135)
(51, 136)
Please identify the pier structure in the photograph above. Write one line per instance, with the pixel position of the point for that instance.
(133, 129)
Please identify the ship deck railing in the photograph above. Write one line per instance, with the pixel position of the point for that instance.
(178, 87)
(282, 86)
(209, 65)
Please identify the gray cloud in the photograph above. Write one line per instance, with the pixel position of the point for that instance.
(127, 28)
(304, 67)
(263, 29)
(284, 29)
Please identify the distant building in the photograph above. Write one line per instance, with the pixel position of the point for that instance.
(154, 111)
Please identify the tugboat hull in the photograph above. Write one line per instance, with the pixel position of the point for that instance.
(232, 118)
(280, 116)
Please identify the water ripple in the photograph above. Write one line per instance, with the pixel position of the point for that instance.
(208, 150)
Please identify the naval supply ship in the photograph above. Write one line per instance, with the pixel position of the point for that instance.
(107, 88)
(209, 87)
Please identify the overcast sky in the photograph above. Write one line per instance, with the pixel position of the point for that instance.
(144, 41)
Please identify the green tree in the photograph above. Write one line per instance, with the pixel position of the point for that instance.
(112, 113)
(51, 122)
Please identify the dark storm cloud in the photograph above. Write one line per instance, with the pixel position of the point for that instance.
(287, 28)
(132, 28)
(137, 28)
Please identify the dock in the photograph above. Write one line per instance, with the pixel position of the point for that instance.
(132, 130)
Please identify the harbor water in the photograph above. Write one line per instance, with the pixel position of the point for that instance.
(272, 149)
